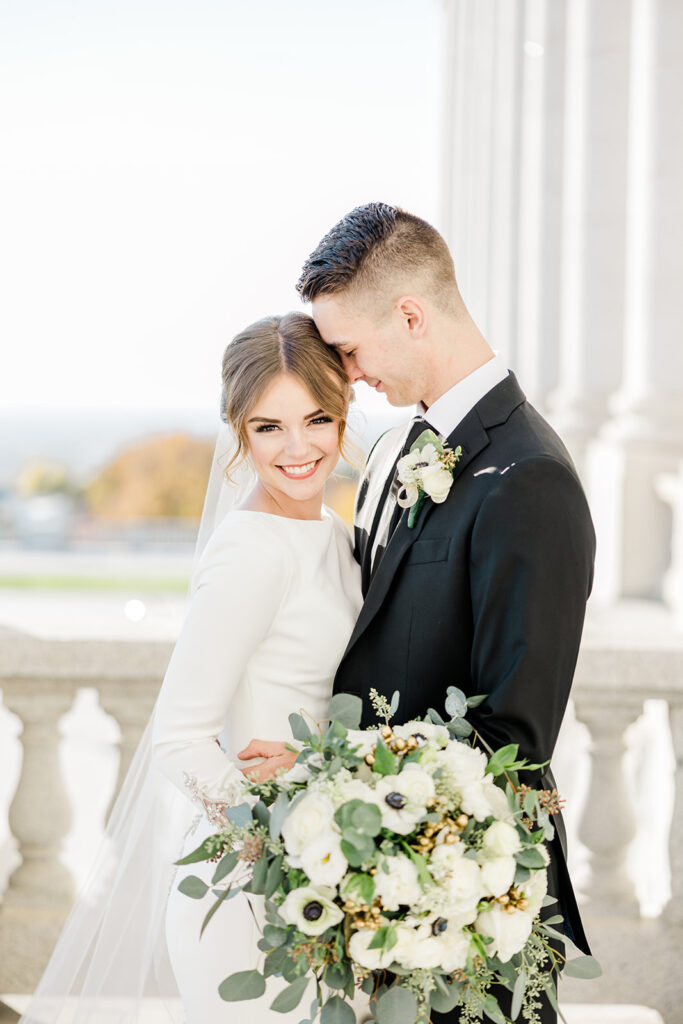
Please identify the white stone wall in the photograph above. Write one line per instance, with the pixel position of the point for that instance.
(563, 206)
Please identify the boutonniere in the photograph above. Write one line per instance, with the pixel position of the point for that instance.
(426, 472)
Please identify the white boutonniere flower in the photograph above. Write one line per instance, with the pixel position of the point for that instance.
(426, 472)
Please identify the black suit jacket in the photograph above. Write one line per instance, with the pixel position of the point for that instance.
(487, 592)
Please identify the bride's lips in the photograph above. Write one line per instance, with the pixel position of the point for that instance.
(298, 475)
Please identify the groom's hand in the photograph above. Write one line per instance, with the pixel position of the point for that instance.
(278, 759)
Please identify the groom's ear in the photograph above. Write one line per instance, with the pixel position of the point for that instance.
(413, 315)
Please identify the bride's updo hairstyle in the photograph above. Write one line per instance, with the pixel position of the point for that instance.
(275, 345)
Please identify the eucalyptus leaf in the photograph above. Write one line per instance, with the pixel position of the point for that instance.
(346, 708)
(358, 815)
(493, 1010)
(239, 815)
(225, 895)
(337, 975)
(357, 847)
(193, 887)
(476, 700)
(395, 697)
(444, 1002)
(225, 865)
(583, 967)
(274, 875)
(242, 985)
(299, 727)
(435, 716)
(261, 813)
(456, 703)
(204, 851)
(291, 996)
(257, 882)
(551, 993)
(278, 813)
(425, 438)
(518, 995)
(275, 961)
(530, 858)
(460, 727)
(275, 936)
(337, 1011)
(397, 1006)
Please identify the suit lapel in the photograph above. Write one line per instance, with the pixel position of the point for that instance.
(472, 437)
(471, 434)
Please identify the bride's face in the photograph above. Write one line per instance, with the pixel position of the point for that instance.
(294, 445)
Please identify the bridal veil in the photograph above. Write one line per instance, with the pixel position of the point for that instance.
(110, 962)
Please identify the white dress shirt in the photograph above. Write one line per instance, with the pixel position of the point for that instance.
(447, 411)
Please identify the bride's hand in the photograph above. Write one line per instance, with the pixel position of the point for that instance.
(278, 759)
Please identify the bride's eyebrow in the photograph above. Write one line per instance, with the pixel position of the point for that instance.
(265, 419)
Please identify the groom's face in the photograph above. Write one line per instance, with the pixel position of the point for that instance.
(378, 352)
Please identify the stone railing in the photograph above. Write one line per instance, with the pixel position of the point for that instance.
(40, 679)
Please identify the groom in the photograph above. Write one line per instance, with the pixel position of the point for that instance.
(488, 590)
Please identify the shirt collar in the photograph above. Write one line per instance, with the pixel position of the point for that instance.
(451, 408)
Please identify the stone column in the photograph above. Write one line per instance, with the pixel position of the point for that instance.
(41, 889)
(593, 218)
(673, 911)
(131, 709)
(645, 437)
(608, 823)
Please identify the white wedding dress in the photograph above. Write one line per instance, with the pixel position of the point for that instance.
(273, 603)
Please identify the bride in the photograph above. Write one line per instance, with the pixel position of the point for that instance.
(274, 596)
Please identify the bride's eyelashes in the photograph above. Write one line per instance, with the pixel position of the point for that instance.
(267, 427)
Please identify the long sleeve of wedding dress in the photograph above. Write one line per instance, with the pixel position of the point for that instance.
(238, 585)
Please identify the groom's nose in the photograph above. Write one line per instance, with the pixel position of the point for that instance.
(352, 371)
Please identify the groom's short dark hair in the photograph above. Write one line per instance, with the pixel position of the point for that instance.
(376, 242)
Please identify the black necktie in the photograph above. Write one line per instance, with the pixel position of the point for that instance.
(386, 527)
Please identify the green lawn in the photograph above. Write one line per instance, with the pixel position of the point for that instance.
(173, 585)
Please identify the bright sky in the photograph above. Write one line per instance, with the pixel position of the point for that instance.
(167, 167)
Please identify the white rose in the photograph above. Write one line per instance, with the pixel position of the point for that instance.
(311, 909)
(534, 889)
(297, 773)
(398, 886)
(323, 860)
(508, 931)
(498, 802)
(461, 879)
(498, 874)
(437, 481)
(373, 959)
(474, 800)
(426, 951)
(356, 789)
(312, 815)
(501, 839)
(463, 763)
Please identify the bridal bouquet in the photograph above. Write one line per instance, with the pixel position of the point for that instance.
(401, 859)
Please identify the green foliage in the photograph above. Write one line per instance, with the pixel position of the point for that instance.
(242, 985)
(397, 1006)
(299, 727)
(291, 996)
(583, 967)
(385, 762)
(347, 709)
(193, 887)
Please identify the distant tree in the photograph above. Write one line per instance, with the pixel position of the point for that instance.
(162, 476)
(44, 476)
